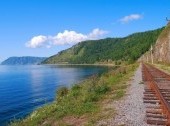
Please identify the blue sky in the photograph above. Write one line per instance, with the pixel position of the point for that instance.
(44, 27)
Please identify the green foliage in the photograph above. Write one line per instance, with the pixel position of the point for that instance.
(61, 93)
(127, 49)
(102, 89)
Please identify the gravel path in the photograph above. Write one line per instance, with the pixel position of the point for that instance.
(130, 109)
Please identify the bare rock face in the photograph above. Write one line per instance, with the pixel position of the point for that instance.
(161, 50)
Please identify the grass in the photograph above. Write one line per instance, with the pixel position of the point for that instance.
(118, 94)
(163, 67)
(87, 102)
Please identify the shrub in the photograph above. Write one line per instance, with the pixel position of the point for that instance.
(76, 87)
(61, 93)
(102, 89)
(91, 97)
(76, 91)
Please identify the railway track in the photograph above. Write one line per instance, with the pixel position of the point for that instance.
(156, 95)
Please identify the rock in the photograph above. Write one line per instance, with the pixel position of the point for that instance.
(161, 50)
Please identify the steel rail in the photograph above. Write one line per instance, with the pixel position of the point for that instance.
(153, 85)
(162, 72)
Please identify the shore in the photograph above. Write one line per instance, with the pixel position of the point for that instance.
(85, 103)
(83, 64)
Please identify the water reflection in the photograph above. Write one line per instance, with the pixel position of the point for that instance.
(24, 88)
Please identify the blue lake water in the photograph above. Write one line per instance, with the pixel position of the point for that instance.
(24, 88)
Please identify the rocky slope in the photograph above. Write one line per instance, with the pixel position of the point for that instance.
(160, 52)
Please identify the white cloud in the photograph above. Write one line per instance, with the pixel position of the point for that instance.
(37, 41)
(96, 32)
(64, 38)
(68, 38)
(131, 17)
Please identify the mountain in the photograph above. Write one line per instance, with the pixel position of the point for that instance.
(25, 60)
(160, 52)
(109, 50)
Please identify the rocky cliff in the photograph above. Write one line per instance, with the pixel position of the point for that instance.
(160, 52)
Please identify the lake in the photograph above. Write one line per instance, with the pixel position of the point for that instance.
(25, 88)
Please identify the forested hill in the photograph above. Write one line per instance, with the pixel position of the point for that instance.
(25, 60)
(127, 49)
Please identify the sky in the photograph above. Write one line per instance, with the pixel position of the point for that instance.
(45, 27)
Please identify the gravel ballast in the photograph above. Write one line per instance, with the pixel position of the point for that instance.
(130, 110)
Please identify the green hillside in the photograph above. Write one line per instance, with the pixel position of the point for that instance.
(127, 49)
(25, 60)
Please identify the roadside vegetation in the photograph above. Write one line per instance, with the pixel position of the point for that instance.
(85, 103)
(164, 67)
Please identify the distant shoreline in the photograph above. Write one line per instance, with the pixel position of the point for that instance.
(60, 64)
(83, 64)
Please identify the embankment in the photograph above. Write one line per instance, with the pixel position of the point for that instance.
(83, 104)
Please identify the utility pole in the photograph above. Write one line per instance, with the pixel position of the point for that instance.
(151, 54)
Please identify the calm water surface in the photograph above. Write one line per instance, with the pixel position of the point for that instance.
(24, 88)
